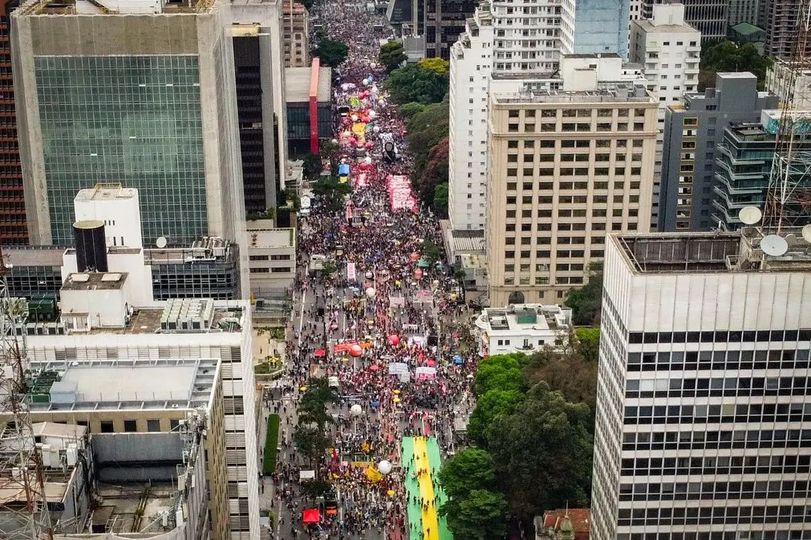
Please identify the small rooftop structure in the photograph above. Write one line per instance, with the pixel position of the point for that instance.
(714, 252)
(564, 524)
(91, 281)
(271, 238)
(522, 327)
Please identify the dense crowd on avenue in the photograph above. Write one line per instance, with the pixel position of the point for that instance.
(381, 324)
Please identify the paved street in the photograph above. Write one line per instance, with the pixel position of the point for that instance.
(380, 324)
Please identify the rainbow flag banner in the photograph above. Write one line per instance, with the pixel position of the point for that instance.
(421, 460)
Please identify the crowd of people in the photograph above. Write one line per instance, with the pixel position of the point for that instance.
(380, 319)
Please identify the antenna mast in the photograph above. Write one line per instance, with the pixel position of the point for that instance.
(23, 508)
(788, 199)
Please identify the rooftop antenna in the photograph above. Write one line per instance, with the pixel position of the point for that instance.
(20, 459)
(788, 198)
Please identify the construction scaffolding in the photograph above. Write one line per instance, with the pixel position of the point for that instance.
(23, 506)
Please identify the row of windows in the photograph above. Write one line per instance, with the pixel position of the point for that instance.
(717, 386)
(733, 336)
(746, 359)
(715, 439)
(574, 113)
(778, 464)
(718, 515)
(683, 491)
(699, 414)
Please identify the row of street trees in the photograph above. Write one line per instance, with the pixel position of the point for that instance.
(532, 431)
(311, 435)
(421, 91)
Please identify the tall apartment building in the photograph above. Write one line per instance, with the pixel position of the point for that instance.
(669, 50)
(13, 228)
(566, 167)
(693, 133)
(296, 29)
(702, 395)
(444, 22)
(470, 65)
(781, 18)
(262, 115)
(744, 166)
(137, 93)
(709, 17)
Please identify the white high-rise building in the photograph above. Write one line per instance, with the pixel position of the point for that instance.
(505, 46)
(467, 145)
(668, 48)
(703, 395)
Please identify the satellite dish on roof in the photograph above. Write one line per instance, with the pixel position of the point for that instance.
(774, 245)
(161, 242)
(807, 233)
(750, 215)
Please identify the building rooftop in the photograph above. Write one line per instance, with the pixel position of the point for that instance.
(648, 26)
(271, 238)
(524, 317)
(91, 281)
(113, 7)
(713, 252)
(607, 93)
(297, 84)
(106, 192)
(122, 384)
(746, 29)
(467, 240)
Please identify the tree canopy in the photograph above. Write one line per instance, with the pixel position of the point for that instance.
(491, 405)
(415, 83)
(500, 372)
(331, 52)
(392, 55)
(542, 456)
(730, 56)
(440, 203)
(474, 509)
(587, 301)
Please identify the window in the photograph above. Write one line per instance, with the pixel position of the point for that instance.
(130, 426)
(107, 426)
(153, 425)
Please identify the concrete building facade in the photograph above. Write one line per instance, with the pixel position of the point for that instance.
(702, 392)
(709, 17)
(296, 29)
(259, 22)
(522, 328)
(669, 50)
(692, 137)
(781, 20)
(779, 78)
(566, 167)
(137, 93)
(601, 26)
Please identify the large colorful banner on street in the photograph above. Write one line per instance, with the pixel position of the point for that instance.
(400, 195)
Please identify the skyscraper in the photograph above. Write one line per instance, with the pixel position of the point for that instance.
(707, 16)
(702, 392)
(13, 229)
(137, 93)
(601, 26)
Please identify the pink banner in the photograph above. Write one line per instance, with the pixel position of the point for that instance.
(400, 195)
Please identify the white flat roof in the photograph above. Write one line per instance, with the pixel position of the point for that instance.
(131, 384)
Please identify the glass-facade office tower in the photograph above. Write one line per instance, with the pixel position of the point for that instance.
(132, 93)
(703, 393)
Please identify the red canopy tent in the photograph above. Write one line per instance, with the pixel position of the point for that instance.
(311, 515)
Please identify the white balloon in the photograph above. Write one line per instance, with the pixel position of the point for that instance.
(334, 141)
(356, 410)
(376, 129)
(365, 82)
(354, 117)
(369, 275)
(372, 114)
(372, 65)
(368, 160)
(370, 292)
(384, 467)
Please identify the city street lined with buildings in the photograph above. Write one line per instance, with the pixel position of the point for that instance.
(374, 326)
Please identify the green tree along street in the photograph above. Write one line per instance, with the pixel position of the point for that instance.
(533, 430)
(309, 436)
(417, 83)
(312, 166)
(587, 301)
(392, 55)
(730, 56)
(332, 191)
(428, 141)
(474, 509)
(542, 455)
(409, 110)
(331, 52)
(440, 205)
